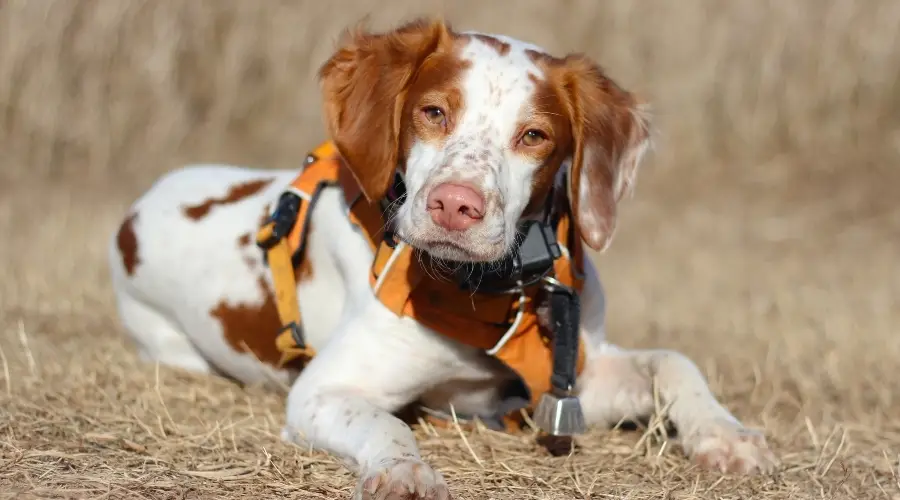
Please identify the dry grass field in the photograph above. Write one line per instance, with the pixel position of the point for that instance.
(763, 239)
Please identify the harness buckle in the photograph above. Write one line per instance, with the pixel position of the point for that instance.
(281, 221)
(291, 344)
(296, 334)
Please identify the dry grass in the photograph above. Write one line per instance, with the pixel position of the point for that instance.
(762, 240)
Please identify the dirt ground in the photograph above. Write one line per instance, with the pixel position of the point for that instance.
(762, 240)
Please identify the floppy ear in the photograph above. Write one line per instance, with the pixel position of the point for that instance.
(364, 87)
(611, 133)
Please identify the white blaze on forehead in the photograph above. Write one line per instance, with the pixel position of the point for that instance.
(498, 88)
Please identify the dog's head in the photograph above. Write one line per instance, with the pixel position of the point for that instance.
(480, 126)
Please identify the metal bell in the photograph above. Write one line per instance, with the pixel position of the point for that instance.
(559, 415)
(559, 412)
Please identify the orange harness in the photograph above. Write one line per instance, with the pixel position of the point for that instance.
(506, 326)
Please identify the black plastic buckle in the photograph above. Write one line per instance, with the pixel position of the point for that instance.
(296, 334)
(284, 216)
(538, 250)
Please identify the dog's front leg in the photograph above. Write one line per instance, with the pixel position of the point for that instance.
(343, 403)
(618, 384)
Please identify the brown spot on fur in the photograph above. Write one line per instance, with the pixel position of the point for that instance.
(252, 327)
(545, 113)
(543, 58)
(365, 86)
(235, 194)
(266, 213)
(304, 271)
(437, 84)
(500, 46)
(244, 240)
(127, 242)
(606, 130)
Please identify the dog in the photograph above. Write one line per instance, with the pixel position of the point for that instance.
(485, 132)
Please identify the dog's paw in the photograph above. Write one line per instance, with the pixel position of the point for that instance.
(402, 479)
(730, 448)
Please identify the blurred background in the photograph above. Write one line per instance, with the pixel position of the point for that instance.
(101, 88)
(762, 239)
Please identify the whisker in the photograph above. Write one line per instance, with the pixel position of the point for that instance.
(392, 216)
(425, 268)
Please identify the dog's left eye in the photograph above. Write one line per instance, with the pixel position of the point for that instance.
(434, 115)
(533, 138)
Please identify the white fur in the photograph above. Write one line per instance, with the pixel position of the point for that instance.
(371, 363)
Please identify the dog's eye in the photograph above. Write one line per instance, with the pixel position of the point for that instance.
(533, 138)
(434, 114)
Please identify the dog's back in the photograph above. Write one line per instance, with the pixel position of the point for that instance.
(191, 285)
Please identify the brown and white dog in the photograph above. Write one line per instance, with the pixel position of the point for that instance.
(482, 126)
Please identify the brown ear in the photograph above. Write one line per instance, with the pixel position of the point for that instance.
(611, 133)
(364, 87)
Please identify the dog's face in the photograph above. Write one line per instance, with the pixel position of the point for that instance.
(481, 126)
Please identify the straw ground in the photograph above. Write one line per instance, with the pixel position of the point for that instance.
(762, 240)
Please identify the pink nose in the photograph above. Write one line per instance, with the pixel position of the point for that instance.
(455, 207)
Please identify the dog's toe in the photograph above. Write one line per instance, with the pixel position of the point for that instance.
(730, 448)
(404, 479)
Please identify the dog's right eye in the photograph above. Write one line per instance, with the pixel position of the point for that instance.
(533, 138)
(434, 114)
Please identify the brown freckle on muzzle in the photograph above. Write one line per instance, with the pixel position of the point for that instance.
(235, 194)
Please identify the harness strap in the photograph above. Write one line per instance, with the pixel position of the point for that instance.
(280, 234)
(290, 341)
(400, 260)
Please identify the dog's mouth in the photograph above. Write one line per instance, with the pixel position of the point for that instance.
(449, 251)
(473, 245)
(493, 267)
